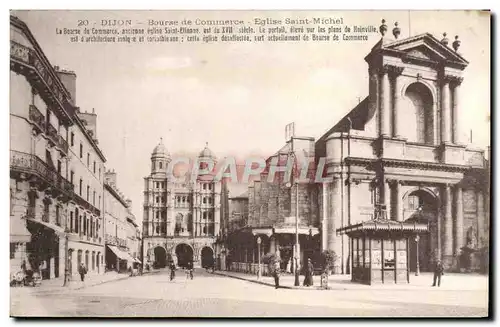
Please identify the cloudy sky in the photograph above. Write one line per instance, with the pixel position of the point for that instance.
(238, 97)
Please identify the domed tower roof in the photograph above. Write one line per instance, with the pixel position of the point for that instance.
(207, 153)
(160, 151)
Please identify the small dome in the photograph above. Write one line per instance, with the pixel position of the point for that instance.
(207, 153)
(160, 150)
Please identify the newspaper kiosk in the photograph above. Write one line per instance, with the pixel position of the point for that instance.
(380, 249)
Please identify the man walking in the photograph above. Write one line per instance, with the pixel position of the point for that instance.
(276, 273)
(172, 270)
(82, 270)
(438, 272)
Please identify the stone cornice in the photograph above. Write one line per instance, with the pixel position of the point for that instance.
(380, 163)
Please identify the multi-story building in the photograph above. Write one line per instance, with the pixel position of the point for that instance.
(400, 147)
(117, 214)
(181, 219)
(268, 211)
(55, 166)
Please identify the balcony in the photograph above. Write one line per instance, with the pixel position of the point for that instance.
(47, 177)
(52, 134)
(28, 62)
(37, 119)
(62, 145)
(87, 206)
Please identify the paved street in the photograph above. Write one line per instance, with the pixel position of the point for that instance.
(210, 295)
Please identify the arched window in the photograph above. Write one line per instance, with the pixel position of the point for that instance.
(204, 229)
(204, 200)
(178, 222)
(418, 107)
(161, 165)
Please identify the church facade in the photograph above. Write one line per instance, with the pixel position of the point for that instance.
(181, 219)
(400, 148)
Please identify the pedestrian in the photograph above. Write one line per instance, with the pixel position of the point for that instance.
(276, 273)
(82, 270)
(189, 270)
(172, 270)
(309, 271)
(438, 272)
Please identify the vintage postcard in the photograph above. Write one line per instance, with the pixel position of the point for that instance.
(249, 163)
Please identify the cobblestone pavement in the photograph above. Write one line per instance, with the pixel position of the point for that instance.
(217, 296)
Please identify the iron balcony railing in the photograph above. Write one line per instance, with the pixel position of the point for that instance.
(84, 204)
(29, 163)
(29, 56)
(52, 134)
(37, 118)
(62, 144)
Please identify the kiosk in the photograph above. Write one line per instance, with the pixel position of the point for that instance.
(380, 249)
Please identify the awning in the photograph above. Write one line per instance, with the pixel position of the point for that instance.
(119, 253)
(18, 231)
(55, 228)
(127, 256)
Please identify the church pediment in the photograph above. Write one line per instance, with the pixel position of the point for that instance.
(426, 47)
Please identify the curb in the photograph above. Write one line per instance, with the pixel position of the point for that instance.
(316, 288)
(114, 280)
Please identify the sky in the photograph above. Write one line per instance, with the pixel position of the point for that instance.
(238, 97)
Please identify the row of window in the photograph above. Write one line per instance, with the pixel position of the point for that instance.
(94, 164)
(87, 193)
(160, 185)
(97, 259)
(161, 228)
(84, 225)
(160, 165)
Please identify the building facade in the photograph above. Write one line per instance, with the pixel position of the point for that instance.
(181, 219)
(56, 167)
(117, 216)
(400, 147)
(399, 150)
(269, 211)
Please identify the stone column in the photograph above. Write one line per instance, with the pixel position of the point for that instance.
(459, 227)
(455, 109)
(482, 233)
(396, 100)
(324, 225)
(398, 215)
(387, 198)
(448, 227)
(445, 111)
(385, 98)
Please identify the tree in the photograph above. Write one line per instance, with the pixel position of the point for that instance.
(328, 258)
(270, 259)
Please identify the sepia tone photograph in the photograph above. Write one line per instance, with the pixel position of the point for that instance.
(279, 163)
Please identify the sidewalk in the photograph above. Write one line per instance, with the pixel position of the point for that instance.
(450, 281)
(56, 284)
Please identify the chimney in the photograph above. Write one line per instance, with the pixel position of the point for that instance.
(90, 121)
(110, 177)
(68, 78)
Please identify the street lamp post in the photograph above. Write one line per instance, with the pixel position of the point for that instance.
(417, 238)
(417, 271)
(297, 254)
(67, 263)
(258, 255)
(296, 247)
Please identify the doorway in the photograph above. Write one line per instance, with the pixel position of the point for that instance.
(184, 255)
(207, 257)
